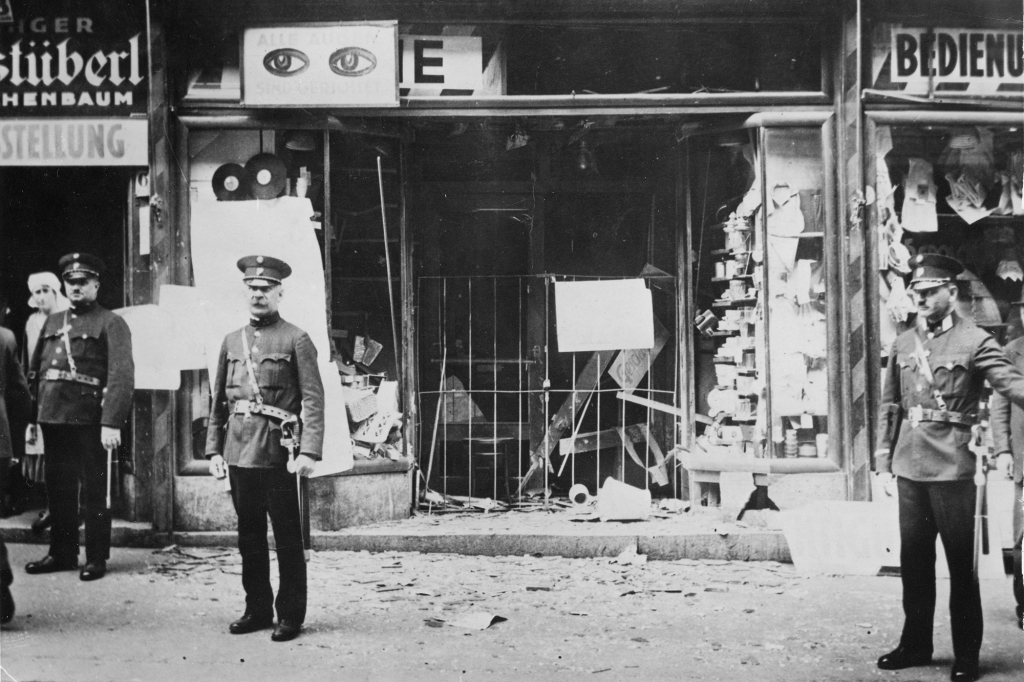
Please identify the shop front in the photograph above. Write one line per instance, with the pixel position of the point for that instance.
(74, 141)
(484, 164)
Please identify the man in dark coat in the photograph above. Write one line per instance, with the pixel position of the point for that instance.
(15, 408)
(267, 383)
(1008, 439)
(935, 377)
(84, 376)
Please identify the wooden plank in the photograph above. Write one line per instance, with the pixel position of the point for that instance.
(588, 442)
(588, 380)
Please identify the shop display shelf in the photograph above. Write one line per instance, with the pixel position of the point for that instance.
(729, 279)
(736, 303)
(730, 252)
(725, 332)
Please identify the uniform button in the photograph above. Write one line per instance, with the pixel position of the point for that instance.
(920, 387)
(255, 349)
(54, 362)
(74, 317)
(59, 349)
(931, 335)
(257, 334)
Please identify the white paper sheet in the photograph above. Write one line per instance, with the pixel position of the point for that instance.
(603, 315)
(183, 304)
(223, 232)
(154, 347)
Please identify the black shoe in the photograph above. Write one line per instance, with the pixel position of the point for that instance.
(285, 630)
(964, 671)
(42, 523)
(900, 658)
(251, 623)
(94, 570)
(49, 564)
(6, 605)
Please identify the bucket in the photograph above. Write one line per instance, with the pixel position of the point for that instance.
(622, 502)
(579, 495)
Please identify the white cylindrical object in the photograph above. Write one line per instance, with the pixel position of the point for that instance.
(622, 502)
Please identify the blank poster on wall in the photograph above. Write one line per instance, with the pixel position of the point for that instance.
(613, 314)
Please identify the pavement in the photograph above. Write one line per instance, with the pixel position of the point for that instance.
(162, 614)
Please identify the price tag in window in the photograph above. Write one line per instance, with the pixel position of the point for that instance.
(806, 421)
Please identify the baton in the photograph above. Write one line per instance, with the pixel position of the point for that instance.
(110, 466)
(980, 481)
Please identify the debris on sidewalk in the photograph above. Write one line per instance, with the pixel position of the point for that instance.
(477, 621)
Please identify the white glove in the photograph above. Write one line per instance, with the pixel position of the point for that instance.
(888, 482)
(217, 467)
(110, 437)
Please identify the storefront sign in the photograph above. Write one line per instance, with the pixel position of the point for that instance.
(74, 142)
(341, 65)
(951, 54)
(950, 61)
(71, 59)
(440, 65)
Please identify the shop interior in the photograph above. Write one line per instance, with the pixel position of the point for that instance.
(955, 190)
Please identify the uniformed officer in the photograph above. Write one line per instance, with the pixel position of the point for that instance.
(1008, 439)
(935, 377)
(83, 375)
(267, 380)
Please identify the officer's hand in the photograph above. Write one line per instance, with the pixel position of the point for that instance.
(888, 482)
(111, 438)
(217, 467)
(1004, 464)
(30, 434)
(304, 465)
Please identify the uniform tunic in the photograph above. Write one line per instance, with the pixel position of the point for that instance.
(935, 467)
(961, 358)
(284, 359)
(72, 414)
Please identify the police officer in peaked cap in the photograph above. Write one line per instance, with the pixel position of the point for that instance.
(933, 383)
(267, 385)
(83, 376)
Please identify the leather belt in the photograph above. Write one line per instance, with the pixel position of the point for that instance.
(923, 414)
(61, 375)
(251, 407)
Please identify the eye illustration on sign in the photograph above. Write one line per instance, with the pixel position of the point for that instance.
(352, 64)
(352, 61)
(285, 62)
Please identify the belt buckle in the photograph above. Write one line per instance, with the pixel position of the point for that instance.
(247, 409)
(915, 415)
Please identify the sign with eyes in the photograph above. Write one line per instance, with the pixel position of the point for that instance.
(331, 65)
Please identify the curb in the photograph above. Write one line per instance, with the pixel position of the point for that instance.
(747, 546)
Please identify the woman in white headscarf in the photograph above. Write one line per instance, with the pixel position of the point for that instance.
(46, 299)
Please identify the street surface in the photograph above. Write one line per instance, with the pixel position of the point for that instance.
(163, 615)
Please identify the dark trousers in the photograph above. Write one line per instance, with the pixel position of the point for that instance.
(945, 508)
(1018, 535)
(75, 456)
(257, 493)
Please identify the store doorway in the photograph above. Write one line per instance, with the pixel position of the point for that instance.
(44, 214)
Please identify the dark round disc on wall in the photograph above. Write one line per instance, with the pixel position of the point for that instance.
(231, 182)
(269, 176)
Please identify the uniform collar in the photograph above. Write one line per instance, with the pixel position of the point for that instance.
(267, 321)
(943, 325)
(83, 307)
